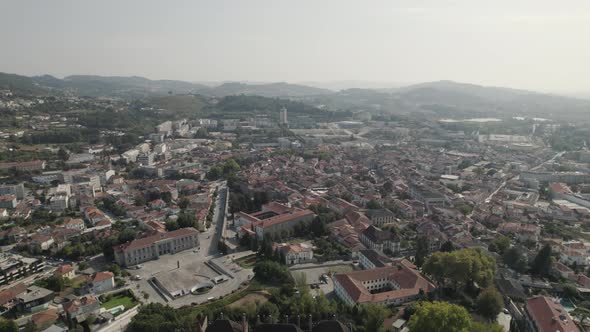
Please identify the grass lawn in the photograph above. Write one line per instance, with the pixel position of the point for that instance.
(247, 262)
(125, 301)
(254, 286)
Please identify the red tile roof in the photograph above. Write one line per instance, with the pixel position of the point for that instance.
(76, 221)
(7, 198)
(549, 316)
(63, 269)
(409, 280)
(73, 306)
(149, 240)
(284, 218)
(9, 294)
(103, 222)
(102, 276)
(22, 164)
(561, 188)
(45, 317)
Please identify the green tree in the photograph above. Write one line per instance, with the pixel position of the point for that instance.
(107, 247)
(440, 317)
(515, 259)
(230, 167)
(422, 250)
(447, 246)
(464, 208)
(318, 227)
(7, 325)
(273, 272)
(215, 173)
(83, 265)
(570, 291)
(202, 133)
(127, 235)
(155, 317)
(461, 267)
(116, 269)
(56, 284)
(373, 204)
(542, 262)
(186, 220)
(500, 244)
(373, 317)
(483, 327)
(166, 197)
(62, 154)
(268, 311)
(171, 225)
(184, 203)
(489, 303)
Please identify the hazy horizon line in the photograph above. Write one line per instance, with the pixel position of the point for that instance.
(354, 83)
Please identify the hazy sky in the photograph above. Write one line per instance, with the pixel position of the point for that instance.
(535, 44)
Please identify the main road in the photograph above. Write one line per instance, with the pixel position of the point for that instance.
(213, 235)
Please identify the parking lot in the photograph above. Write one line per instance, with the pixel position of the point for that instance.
(313, 274)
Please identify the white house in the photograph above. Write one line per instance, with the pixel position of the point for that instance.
(296, 253)
(574, 252)
(102, 282)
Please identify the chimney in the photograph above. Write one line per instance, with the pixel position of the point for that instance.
(244, 323)
(310, 326)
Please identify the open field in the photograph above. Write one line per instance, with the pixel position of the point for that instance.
(252, 298)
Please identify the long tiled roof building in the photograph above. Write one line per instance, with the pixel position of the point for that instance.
(151, 247)
(389, 285)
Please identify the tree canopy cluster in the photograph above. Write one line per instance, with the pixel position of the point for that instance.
(272, 272)
(461, 267)
(446, 317)
(223, 170)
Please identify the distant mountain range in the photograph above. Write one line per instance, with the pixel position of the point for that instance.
(134, 86)
(476, 98)
(442, 98)
(280, 89)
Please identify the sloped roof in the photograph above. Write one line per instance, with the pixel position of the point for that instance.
(102, 276)
(149, 240)
(9, 294)
(550, 316)
(63, 269)
(409, 280)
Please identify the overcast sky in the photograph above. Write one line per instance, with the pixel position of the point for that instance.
(535, 44)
